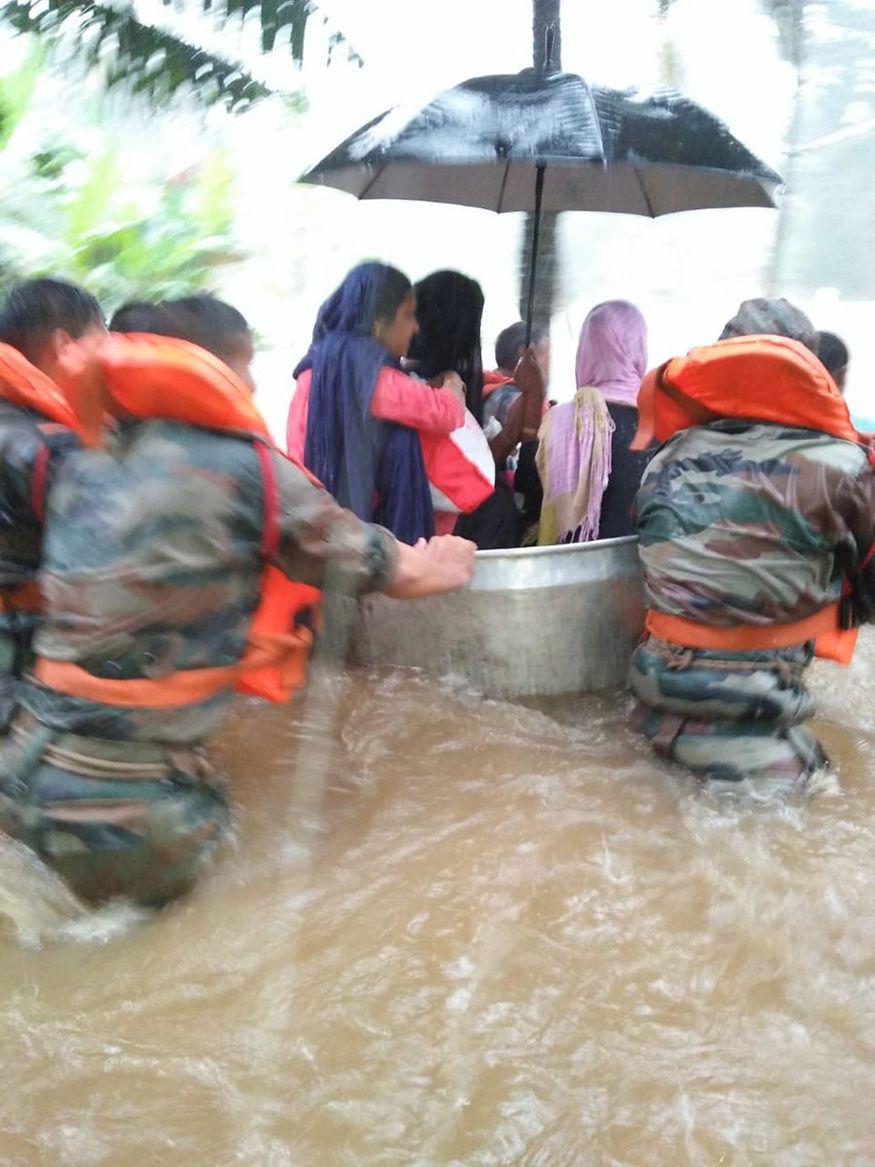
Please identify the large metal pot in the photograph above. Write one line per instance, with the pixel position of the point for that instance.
(533, 622)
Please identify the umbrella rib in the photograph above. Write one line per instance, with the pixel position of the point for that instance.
(368, 188)
(503, 185)
(650, 211)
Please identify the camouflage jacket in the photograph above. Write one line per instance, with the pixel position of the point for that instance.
(152, 564)
(31, 450)
(754, 524)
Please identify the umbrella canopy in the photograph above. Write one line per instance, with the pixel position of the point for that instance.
(481, 144)
(536, 141)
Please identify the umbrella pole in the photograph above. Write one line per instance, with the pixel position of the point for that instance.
(533, 267)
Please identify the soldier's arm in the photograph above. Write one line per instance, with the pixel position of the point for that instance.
(326, 546)
(856, 503)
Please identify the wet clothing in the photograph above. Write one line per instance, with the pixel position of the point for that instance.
(373, 468)
(152, 564)
(495, 524)
(499, 395)
(574, 462)
(461, 475)
(590, 473)
(754, 525)
(627, 467)
(114, 819)
(31, 450)
(397, 398)
(728, 716)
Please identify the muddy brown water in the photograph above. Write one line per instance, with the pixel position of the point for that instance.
(460, 931)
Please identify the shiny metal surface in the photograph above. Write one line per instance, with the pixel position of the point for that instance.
(534, 622)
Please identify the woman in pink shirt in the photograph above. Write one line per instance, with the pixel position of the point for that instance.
(397, 397)
(363, 332)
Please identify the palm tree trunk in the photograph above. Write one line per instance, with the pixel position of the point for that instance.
(790, 15)
(546, 58)
(669, 64)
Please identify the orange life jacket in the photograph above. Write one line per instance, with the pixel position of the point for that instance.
(22, 384)
(768, 379)
(754, 378)
(149, 377)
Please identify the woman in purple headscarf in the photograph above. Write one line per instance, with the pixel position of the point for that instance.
(589, 474)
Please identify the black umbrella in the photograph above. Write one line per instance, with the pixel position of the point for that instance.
(533, 142)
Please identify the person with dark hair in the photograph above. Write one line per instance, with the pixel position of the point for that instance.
(39, 320)
(203, 320)
(40, 317)
(217, 327)
(136, 316)
(756, 520)
(499, 390)
(356, 417)
(501, 393)
(450, 310)
(184, 559)
(834, 355)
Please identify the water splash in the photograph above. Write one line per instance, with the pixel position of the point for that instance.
(37, 907)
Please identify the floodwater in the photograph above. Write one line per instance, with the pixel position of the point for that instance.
(460, 931)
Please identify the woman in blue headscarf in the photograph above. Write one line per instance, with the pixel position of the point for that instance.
(372, 466)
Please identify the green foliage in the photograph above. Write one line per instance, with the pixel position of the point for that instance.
(152, 61)
(16, 91)
(147, 60)
(96, 218)
(127, 245)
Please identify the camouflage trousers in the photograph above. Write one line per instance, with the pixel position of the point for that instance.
(727, 716)
(16, 654)
(113, 819)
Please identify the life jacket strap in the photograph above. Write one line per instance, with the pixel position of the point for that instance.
(288, 654)
(832, 642)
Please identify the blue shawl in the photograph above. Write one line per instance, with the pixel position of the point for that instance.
(355, 456)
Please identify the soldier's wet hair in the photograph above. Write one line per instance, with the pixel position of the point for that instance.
(203, 320)
(207, 322)
(137, 316)
(35, 309)
(511, 341)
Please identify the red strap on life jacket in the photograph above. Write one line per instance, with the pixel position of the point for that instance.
(38, 481)
(277, 624)
(151, 377)
(270, 529)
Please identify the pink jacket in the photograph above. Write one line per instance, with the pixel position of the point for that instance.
(435, 414)
(397, 398)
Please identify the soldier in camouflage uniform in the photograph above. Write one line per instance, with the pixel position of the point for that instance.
(152, 566)
(38, 319)
(746, 524)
